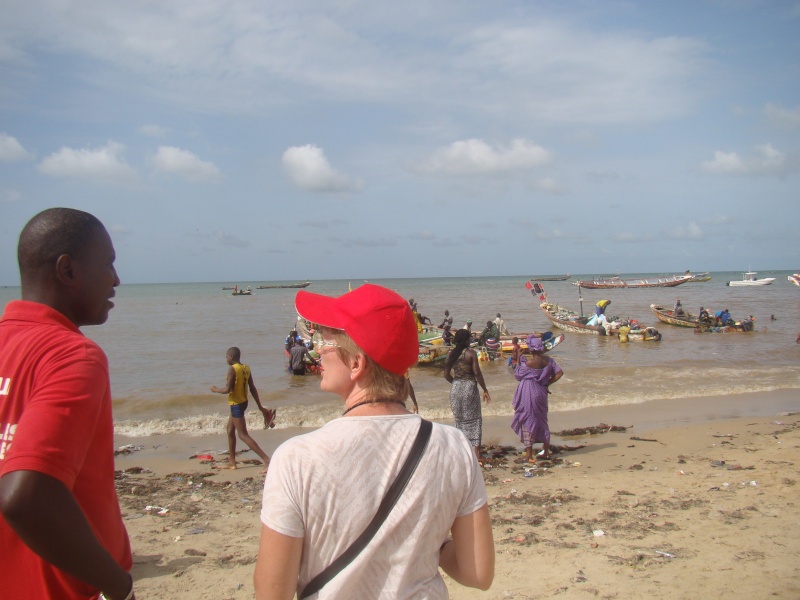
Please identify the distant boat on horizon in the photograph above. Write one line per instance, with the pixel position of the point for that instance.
(645, 282)
(304, 284)
(552, 277)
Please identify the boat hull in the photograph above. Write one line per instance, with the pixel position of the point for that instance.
(756, 282)
(795, 279)
(553, 312)
(665, 316)
(305, 284)
(615, 283)
(552, 278)
(750, 279)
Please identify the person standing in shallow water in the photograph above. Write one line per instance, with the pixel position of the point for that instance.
(239, 380)
(462, 370)
(535, 374)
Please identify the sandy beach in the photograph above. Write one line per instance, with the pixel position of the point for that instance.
(695, 498)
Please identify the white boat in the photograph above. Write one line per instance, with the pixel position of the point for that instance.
(795, 279)
(750, 278)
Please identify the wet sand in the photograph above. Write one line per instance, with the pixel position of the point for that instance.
(701, 504)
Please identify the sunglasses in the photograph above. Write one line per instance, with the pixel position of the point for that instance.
(325, 344)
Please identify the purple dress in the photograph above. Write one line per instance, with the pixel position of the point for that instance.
(530, 402)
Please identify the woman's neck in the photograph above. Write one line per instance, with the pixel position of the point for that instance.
(360, 405)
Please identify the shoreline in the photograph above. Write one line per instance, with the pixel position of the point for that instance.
(686, 503)
(168, 453)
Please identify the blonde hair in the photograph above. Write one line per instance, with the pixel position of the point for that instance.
(381, 385)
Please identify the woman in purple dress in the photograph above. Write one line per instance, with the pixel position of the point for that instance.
(535, 374)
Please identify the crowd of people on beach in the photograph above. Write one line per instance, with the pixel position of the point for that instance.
(61, 530)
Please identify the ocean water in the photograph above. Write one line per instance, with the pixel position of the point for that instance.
(166, 346)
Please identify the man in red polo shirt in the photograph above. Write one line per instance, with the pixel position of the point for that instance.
(61, 531)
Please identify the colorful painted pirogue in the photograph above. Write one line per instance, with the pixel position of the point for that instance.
(568, 320)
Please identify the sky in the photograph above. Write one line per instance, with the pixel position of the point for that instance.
(257, 140)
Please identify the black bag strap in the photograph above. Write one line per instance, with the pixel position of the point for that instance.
(389, 500)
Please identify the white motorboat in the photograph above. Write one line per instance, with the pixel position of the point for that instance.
(750, 278)
(795, 279)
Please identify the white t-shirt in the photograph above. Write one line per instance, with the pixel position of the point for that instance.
(326, 486)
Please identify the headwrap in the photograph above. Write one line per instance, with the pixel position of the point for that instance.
(534, 343)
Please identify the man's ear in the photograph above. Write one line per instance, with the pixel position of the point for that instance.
(65, 270)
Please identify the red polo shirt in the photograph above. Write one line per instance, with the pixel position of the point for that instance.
(55, 418)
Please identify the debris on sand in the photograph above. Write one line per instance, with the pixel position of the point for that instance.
(595, 429)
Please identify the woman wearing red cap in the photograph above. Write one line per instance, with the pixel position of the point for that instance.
(324, 488)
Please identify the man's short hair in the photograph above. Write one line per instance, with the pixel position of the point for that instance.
(50, 234)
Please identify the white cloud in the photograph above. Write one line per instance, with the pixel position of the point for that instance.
(476, 157)
(783, 118)
(248, 56)
(309, 169)
(185, 164)
(11, 150)
(765, 160)
(155, 131)
(101, 164)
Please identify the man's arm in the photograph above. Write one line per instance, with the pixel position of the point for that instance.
(252, 385)
(476, 369)
(230, 383)
(45, 515)
(469, 558)
(278, 565)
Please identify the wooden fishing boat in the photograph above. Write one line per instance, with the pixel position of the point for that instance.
(506, 345)
(738, 327)
(617, 283)
(665, 315)
(552, 277)
(699, 277)
(568, 320)
(749, 279)
(795, 279)
(689, 320)
(304, 284)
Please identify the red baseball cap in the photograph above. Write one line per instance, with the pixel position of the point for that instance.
(376, 318)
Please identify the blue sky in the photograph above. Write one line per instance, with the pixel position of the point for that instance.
(257, 140)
